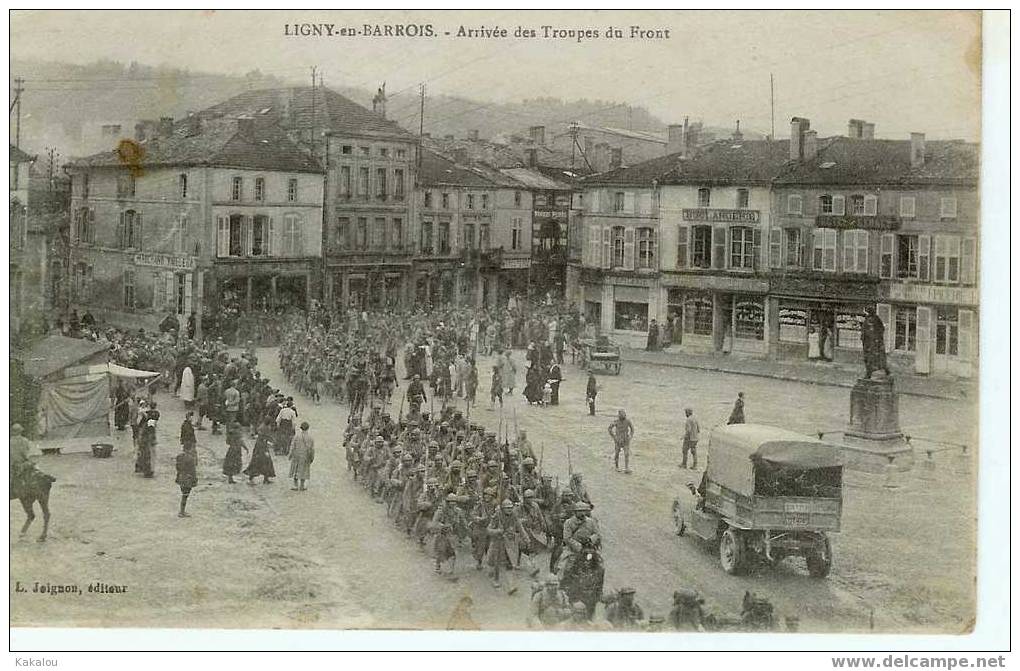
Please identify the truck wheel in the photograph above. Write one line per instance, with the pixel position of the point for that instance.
(731, 551)
(819, 560)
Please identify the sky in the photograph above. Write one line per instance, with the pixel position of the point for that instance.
(902, 70)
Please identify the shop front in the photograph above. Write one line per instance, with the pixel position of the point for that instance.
(931, 329)
(714, 313)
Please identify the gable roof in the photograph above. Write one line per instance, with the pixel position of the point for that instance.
(221, 143)
(730, 162)
(842, 160)
(533, 179)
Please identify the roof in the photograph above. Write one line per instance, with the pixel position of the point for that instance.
(639, 174)
(18, 156)
(219, 142)
(842, 160)
(512, 152)
(533, 179)
(645, 136)
(776, 446)
(437, 170)
(293, 108)
(56, 352)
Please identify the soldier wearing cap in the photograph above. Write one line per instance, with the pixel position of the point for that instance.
(445, 521)
(454, 478)
(624, 612)
(580, 532)
(505, 535)
(550, 606)
(655, 623)
(529, 477)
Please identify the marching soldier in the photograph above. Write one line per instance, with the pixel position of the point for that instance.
(505, 533)
(444, 523)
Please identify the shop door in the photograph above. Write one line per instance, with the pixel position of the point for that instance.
(947, 341)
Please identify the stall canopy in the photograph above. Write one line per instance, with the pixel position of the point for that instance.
(73, 399)
(116, 370)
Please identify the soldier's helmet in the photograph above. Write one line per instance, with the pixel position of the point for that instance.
(431, 482)
(444, 425)
(471, 474)
(379, 440)
(456, 464)
(553, 580)
(547, 478)
(627, 590)
(507, 504)
(451, 497)
(433, 444)
(581, 506)
(492, 464)
(528, 461)
(489, 491)
(529, 493)
(578, 606)
(407, 456)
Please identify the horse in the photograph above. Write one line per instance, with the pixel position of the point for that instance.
(34, 486)
(584, 579)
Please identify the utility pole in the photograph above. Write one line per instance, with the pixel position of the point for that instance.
(313, 109)
(421, 125)
(19, 86)
(772, 97)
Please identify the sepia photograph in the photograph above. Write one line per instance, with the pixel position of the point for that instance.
(657, 322)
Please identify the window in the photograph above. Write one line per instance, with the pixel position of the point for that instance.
(384, 151)
(794, 204)
(646, 248)
(748, 319)
(742, 247)
(775, 247)
(483, 236)
(260, 235)
(182, 182)
(794, 248)
(855, 251)
(444, 237)
(345, 181)
(618, 247)
(397, 233)
(379, 233)
(401, 153)
(485, 201)
(469, 236)
(824, 257)
(471, 201)
(905, 338)
(260, 189)
(346, 149)
(907, 206)
(857, 205)
(130, 230)
(365, 151)
(292, 188)
(947, 208)
(517, 234)
(428, 199)
(363, 182)
(618, 200)
(947, 331)
(701, 247)
(446, 201)
(85, 226)
(129, 289)
(293, 245)
(704, 197)
(426, 238)
(631, 316)
(236, 187)
(361, 234)
(870, 206)
(517, 198)
(743, 198)
(236, 235)
(398, 183)
(180, 234)
(698, 315)
(82, 286)
(825, 204)
(380, 183)
(343, 231)
(913, 256)
(968, 258)
(947, 259)
(125, 185)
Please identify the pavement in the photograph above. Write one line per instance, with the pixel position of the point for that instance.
(809, 372)
(265, 556)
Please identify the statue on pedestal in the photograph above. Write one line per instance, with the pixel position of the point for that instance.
(873, 343)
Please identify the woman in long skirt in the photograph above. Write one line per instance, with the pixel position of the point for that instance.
(235, 444)
(261, 457)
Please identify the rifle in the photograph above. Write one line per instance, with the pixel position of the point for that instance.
(517, 431)
(570, 465)
(541, 455)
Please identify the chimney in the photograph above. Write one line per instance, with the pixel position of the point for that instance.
(537, 134)
(473, 135)
(916, 150)
(868, 133)
(855, 129)
(616, 158)
(692, 137)
(737, 135)
(810, 144)
(144, 129)
(166, 126)
(379, 101)
(798, 127)
(675, 138)
(601, 162)
(532, 158)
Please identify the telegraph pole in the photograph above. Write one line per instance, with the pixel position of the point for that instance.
(19, 86)
(772, 97)
(421, 124)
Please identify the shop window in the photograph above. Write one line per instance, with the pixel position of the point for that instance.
(855, 251)
(848, 330)
(947, 331)
(704, 197)
(947, 259)
(905, 339)
(701, 246)
(618, 247)
(793, 325)
(824, 257)
(646, 248)
(631, 316)
(742, 247)
(698, 315)
(749, 319)
(743, 198)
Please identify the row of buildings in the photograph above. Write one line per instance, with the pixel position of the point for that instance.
(759, 247)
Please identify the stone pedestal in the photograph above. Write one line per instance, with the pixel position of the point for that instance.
(873, 441)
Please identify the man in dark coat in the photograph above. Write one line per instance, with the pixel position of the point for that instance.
(555, 377)
(591, 393)
(187, 476)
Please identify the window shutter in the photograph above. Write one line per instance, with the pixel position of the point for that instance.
(158, 291)
(807, 248)
(870, 206)
(682, 245)
(170, 282)
(628, 201)
(923, 257)
(922, 354)
(863, 251)
(607, 247)
(849, 251)
(270, 238)
(299, 237)
(968, 256)
(222, 236)
(775, 247)
(91, 229)
(967, 336)
(628, 249)
(805, 238)
(756, 251)
(249, 235)
(187, 294)
(884, 311)
(885, 268)
(839, 205)
(719, 247)
(121, 231)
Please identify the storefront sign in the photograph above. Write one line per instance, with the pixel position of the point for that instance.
(513, 264)
(717, 282)
(721, 216)
(931, 293)
(629, 281)
(826, 287)
(849, 221)
(167, 261)
(550, 214)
